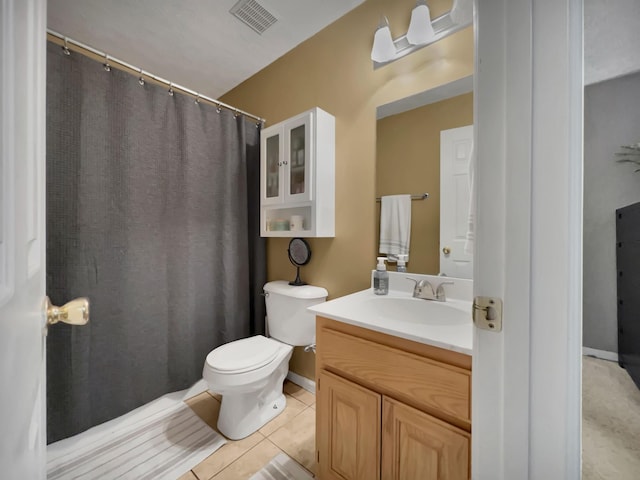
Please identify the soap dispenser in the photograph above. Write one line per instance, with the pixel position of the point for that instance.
(381, 278)
(402, 263)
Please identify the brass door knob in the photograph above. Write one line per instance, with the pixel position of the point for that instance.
(76, 312)
(446, 250)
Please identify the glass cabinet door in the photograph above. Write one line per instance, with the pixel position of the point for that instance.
(298, 169)
(298, 162)
(272, 167)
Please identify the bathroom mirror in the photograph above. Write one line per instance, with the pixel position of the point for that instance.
(408, 162)
(299, 255)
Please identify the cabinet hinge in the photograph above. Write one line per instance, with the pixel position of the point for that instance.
(318, 456)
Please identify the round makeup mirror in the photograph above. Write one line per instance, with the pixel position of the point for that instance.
(299, 255)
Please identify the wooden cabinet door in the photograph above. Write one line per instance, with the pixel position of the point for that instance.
(348, 422)
(417, 446)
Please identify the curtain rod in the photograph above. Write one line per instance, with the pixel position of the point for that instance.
(421, 196)
(171, 85)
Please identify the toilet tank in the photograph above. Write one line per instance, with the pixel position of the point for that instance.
(287, 317)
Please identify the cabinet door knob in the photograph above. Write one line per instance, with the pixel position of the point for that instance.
(284, 163)
(446, 250)
(279, 164)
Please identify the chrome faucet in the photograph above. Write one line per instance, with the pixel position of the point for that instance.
(424, 290)
(440, 293)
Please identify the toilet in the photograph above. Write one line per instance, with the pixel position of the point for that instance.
(249, 373)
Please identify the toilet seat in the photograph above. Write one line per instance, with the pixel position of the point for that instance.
(243, 355)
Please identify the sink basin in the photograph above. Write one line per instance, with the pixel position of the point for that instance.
(416, 310)
(445, 325)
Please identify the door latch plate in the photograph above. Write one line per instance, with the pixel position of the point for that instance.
(487, 313)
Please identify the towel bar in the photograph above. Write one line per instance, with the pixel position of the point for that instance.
(422, 196)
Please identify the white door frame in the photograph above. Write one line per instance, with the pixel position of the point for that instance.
(528, 84)
(22, 238)
(528, 118)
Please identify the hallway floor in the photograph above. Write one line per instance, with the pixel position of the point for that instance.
(610, 422)
(291, 432)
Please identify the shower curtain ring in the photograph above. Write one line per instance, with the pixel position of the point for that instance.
(141, 79)
(236, 113)
(106, 65)
(219, 108)
(65, 48)
(171, 89)
(197, 101)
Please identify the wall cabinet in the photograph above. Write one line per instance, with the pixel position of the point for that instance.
(297, 171)
(390, 408)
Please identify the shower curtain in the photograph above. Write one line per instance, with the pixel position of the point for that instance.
(152, 213)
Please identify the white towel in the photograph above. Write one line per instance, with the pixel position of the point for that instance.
(470, 238)
(395, 224)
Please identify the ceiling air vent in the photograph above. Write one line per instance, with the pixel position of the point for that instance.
(253, 14)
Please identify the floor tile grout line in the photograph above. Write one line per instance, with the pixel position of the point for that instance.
(281, 413)
(239, 457)
(285, 424)
(306, 406)
(283, 451)
(292, 452)
(299, 399)
(212, 395)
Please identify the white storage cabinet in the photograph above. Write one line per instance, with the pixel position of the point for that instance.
(297, 176)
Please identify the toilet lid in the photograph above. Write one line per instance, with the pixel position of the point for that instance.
(243, 355)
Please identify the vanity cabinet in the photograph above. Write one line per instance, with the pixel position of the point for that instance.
(350, 429)
(297, 176)
(390, 408)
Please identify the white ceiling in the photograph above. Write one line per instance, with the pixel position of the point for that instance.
(194, 43)
(611, 39)
(198, 44)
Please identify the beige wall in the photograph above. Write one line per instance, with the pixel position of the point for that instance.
(408, 161)
(333, 70)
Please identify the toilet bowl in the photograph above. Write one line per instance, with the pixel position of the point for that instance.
(249, 373)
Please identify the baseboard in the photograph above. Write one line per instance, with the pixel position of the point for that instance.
(301, 381)
(603, 354)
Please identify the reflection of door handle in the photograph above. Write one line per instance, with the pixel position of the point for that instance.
(446, 250)
(76, 312)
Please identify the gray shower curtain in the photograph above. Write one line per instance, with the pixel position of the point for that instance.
(152, 213)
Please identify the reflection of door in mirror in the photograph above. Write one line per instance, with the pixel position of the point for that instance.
(408, 161)
(456, 147)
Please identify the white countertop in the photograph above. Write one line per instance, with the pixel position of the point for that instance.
(362, 309)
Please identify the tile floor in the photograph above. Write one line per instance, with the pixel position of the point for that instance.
(291, 432)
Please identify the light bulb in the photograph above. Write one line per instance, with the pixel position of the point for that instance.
(420, 28)
(383, 49)
(462, 11)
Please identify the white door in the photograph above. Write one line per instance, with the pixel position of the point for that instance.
(456, 146)
(528, 250)
(22, 239)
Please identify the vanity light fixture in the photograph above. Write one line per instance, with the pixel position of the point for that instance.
(383, 49)
(420, 28)
(462, 11)
(422, 31)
